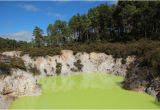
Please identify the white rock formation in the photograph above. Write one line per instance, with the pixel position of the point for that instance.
(12, 53)
(92, 62)
(5, 101)
(19, 83)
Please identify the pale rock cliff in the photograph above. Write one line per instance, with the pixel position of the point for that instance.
(20, 83)
(91, 62)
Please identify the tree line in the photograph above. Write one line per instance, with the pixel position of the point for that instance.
(125, 21)
(128, 20)
(13, 44)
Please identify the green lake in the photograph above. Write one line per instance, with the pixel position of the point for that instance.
(85, 90)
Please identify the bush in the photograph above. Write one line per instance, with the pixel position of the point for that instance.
(8, 63)
(123, 61)
(4, 69)
(34, 71)
(17, 63)
(58, 68)
(35, 52)
(78, 65)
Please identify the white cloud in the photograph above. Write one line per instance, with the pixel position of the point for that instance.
(48, 11)
(29, 7)
(22, 35)
(57, 15)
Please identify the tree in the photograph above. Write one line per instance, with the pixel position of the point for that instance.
(100, 18)
(38, 33)
(80, 25)
(74, 24)
(58, 32)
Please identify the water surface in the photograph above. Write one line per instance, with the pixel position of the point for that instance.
(91, 90)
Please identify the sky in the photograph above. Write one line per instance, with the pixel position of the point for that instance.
(18, 18)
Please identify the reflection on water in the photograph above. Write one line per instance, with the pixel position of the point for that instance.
(79, 81)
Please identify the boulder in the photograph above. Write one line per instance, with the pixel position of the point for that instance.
(12, 53)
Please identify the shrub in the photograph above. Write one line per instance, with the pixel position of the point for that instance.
(74, 69)
(5, 69)
(34, 71)
(58, 68)
(78, 65)
(17, 63)
(35, 52)
(6, 65)
(123, 61)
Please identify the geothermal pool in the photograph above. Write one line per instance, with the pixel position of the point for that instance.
(85, 90)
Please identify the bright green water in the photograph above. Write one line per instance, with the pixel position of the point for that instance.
(85, 91)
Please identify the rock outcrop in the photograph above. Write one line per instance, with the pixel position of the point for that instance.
(12, 53)
(5, 101)
(20, 83)
(91, 62)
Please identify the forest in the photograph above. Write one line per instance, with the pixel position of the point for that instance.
(126, 21)
(117, 23)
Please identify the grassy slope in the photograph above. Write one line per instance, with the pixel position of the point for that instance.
(86, 91)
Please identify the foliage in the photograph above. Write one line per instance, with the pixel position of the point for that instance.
(12, 44)
(123, 22)
(58, 68)
(34, 71)
(17, 63)
(58, 32)
(78, 65)
(37, 32)
(126, 21)
(35, 52)
(4, 69)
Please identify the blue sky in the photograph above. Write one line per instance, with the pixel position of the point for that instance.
(18, 18)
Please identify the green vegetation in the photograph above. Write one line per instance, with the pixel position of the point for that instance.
(78, 65)
(126, 21)
(34, 70)
(89, 91)
(17, 63)
(37, 32)
(138, 48)
(58, 68)
(4, 69)
(8, 44)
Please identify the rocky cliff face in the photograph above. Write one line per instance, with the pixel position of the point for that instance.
(20, 83)
(67, 63)
(70, 63)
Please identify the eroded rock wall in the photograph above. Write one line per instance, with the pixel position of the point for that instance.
(91, 62)
(20, 83)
